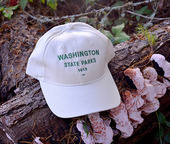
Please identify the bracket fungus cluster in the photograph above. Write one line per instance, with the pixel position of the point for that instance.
(162, 67)
(142, 100)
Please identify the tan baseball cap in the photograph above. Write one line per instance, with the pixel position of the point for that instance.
(71, 63)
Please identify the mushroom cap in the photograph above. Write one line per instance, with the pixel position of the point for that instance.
(157, 57)
(150, 73)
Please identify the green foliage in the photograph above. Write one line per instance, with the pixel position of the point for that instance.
(91, 2)
(107, 33)
(118, 3)
(117, 35)
(167, 137)
(120, 36)
(43, 1)
(117, 29)
(8, 11)
(162, 135)
(105, 22)
(86, 128)
(23, 4)
(151, 38)
(121, 19)
(52, 3)
(143, 11)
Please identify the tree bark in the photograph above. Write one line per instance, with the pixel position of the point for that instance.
(23, 110)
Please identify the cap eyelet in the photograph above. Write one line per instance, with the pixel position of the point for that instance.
(92, 43)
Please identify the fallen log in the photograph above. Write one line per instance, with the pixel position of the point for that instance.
(23, 110)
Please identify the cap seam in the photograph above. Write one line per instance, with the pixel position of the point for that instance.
(46, 49)
(76, 57)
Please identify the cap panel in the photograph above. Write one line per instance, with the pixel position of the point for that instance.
(35, 67)
(109, 46)
(73, 57)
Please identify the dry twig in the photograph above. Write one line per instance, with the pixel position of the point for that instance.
(108, 9)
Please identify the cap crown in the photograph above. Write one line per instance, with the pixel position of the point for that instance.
(71, 54)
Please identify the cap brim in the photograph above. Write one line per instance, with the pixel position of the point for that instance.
(73, 101)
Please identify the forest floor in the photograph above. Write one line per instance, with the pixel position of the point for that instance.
(19, 35)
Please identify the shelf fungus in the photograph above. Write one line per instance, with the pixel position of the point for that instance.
(145, 89)
(103, 133)
(143, 98)
(120, 116)
(132, 101)
(162, 67)
(151, 74)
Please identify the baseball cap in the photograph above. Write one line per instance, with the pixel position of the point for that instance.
(71, 63)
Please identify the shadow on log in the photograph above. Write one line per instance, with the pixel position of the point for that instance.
(23, 110)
